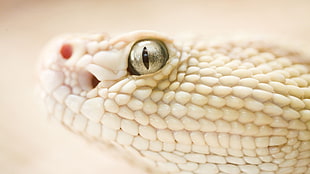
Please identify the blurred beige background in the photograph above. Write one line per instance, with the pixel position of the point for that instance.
(29, 141)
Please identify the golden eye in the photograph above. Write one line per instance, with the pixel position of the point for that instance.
(147, 56)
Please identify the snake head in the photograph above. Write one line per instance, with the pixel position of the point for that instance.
(91, 82)
(192, 107)
(73, 59)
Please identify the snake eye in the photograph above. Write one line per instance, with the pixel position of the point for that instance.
(147, 56)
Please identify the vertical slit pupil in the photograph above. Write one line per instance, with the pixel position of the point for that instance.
(145, 58)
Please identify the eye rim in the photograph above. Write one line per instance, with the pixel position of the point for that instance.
(163, 49)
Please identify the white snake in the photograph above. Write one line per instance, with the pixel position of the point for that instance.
(190, 106)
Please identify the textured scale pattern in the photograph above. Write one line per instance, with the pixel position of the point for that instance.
(240, 106)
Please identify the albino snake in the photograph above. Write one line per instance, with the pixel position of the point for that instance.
(184, 106)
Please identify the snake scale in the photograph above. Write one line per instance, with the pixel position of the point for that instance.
(184, 106)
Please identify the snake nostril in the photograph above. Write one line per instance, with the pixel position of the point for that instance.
(66, 51)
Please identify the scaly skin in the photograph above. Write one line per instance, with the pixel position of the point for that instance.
(238, 106)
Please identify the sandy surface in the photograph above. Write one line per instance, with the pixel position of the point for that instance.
(29, 141)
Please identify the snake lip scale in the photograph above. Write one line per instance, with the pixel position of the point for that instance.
(183, 105)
